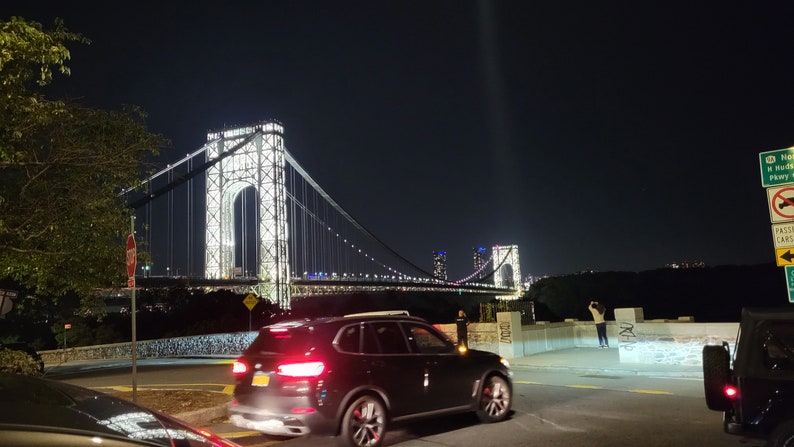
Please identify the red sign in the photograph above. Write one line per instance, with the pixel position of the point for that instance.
(67, 326)
(132, 257)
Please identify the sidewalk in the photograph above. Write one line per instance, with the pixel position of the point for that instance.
(596, 360)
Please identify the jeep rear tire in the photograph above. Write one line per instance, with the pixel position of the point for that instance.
(716, 374)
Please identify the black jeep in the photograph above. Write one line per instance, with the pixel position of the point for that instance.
(756, 395)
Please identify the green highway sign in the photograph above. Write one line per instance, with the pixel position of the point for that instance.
(790, 282)
(777, 167)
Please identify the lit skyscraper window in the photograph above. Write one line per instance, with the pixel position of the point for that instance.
(440, 265)
(479, 261)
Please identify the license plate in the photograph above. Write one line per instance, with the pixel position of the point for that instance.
(260, 379)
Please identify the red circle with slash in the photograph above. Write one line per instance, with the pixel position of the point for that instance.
(784, 202)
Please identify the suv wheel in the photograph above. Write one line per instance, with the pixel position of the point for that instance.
(364, 423)
(782, 435)
(494, 400)
(716, 374)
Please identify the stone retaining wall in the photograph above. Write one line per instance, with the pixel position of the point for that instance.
(196, 346)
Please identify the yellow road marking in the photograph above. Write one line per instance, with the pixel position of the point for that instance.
(651, 392)
(225, 388)
(591, 387)
(239, 434)
(124, 389)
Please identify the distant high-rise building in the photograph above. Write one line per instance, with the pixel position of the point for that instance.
(440, 265)
(479, 261)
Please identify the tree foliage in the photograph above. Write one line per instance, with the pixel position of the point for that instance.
(62, 166)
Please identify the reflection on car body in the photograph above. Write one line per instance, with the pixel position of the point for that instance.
(38, 412)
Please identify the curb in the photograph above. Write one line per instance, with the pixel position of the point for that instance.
(203, 416)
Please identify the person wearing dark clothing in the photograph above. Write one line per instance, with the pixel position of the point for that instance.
(462, 322)
(598, 310)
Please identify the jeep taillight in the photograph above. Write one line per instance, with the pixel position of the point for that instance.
(239, 367)
(731, 392)
(300, 369)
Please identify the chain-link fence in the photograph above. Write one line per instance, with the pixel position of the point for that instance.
(526, 308)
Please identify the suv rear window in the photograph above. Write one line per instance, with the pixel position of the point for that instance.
(284, 341)
(779, 346)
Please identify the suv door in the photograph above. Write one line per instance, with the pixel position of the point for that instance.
(393, 368)
(448, 375)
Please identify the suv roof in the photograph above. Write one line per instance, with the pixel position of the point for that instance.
(366, 316)
(769, 313)
(380, 312)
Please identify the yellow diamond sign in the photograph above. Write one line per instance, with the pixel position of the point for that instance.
(250, 301)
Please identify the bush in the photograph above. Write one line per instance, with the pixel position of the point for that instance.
(18, 362)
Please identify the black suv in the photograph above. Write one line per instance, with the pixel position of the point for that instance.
(351, 376)
(757, 393)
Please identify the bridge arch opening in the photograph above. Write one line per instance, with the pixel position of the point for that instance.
(246, 234)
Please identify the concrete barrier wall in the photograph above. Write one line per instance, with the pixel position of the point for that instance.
(672, 342)
(657, 342)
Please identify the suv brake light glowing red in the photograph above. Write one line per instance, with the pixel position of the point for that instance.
(301, 369)
(731, 392)
(239, 367)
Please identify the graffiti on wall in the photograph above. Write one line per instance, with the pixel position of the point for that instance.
(627, 336)
(505, 332)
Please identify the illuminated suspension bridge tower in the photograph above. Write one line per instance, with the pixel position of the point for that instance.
(252, 156)
(507, 267)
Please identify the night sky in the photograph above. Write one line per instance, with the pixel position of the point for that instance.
(595, 135)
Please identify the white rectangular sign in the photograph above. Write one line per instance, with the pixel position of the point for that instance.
(781, 203)
(783, 234)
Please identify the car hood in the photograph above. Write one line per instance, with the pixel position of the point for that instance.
(46, 405)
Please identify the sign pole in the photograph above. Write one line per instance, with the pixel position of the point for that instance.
(131, 262)
(250, 301)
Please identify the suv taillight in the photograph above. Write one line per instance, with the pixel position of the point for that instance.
(300, 369)
(239, 367)
(731, 392)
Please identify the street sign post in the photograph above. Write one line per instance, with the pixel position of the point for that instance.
(777, 167)
(132, 262)
(250, 301)
(777, 176)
